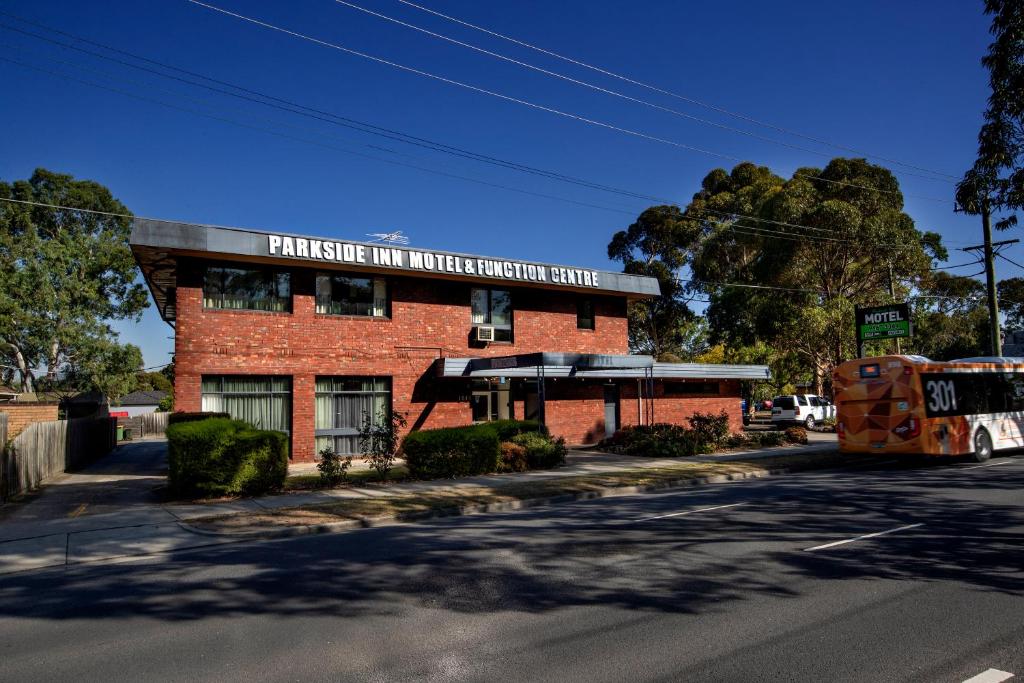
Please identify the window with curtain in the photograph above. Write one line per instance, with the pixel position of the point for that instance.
(347, 295)
(264, 402)
(493, 307)
(342, 403)
(254, 289)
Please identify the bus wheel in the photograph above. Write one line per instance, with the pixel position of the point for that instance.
(809, 422)
(982, 445)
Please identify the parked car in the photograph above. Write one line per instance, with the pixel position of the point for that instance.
(806, 410)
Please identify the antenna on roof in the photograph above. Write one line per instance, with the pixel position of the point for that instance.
(395, 237)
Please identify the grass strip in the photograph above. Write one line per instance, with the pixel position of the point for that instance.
(453, 498)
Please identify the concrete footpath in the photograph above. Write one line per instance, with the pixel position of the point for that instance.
(113, 509)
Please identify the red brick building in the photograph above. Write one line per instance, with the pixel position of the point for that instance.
(309, 335)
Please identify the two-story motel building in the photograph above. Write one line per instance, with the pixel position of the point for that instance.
(309, 334)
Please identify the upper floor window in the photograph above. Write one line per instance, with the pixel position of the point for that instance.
(584, 314)
(255, 289)
(346, 295)
(493, 307)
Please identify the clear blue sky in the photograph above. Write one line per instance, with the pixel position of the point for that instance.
(898, 79)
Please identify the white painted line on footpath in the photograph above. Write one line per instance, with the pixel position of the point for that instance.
(690, 512)
(989, 464)
(990, 676)
(833, 544)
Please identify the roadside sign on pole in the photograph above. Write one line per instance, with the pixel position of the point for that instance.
(883, 322)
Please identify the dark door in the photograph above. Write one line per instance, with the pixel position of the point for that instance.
(611, 409)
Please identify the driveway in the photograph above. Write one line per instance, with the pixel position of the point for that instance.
(129, 477)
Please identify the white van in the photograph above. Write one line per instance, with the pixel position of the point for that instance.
(806, 410)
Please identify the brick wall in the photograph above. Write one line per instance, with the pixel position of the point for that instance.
(677, 408)
(429, 319)
(21, 415)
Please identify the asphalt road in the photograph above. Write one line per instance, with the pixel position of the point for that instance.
(723, 583)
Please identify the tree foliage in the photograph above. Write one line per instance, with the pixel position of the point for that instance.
(64, 275)
(783, 263)
(786, 261)
(997, 177)
(656, 245)
(950, 318)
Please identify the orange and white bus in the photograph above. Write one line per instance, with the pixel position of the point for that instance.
(910, 404)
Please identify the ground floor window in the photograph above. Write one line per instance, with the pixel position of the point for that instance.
(491, 400)
(264, 402)
(342, 403)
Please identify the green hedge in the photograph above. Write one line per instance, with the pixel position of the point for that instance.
(506, 429)
(219, 457)
(452, 452)
(542, 452)
(481, 449)
(181, 416)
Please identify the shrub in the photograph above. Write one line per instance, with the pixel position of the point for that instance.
(506, 429)
(710, 429)
(452, 452)
(542, 452)
(513, 458)
(661, 440)
(378, 439)
(768, 439)
(737, 440)
(181, 416)
(333, 467)
(219, 456)
(796, 435)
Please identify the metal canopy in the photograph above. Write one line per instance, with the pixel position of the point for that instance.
(593, 366)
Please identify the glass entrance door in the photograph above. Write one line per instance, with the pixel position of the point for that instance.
(491, 400)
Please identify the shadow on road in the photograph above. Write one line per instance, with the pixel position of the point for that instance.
(591, 553)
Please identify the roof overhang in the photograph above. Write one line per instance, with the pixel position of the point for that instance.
(593, 366)
(157, 246)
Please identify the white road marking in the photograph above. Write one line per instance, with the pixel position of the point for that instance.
(989, 464)
(690, 512)
(861, 538)
(990, 676)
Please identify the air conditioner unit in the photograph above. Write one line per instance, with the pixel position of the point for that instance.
(484, 333)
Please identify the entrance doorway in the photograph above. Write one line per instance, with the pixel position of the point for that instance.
(611, 409)
(491, 400)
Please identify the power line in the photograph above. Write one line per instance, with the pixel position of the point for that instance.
(959, 265)
(270, 131)
(310, 112)
(663, 91)
(1007, 258)
(397, 135)
(527, 103)
(607, 91)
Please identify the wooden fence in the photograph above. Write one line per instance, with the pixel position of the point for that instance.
(154, 423)
(45, 449)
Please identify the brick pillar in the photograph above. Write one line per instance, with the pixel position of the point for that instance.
(188, 395)
(303, 418)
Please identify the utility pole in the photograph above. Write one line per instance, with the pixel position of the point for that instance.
(892, 295)
(989, 249)
(990, 277)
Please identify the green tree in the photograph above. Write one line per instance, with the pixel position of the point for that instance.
(996, 181)
(1011, 298)
(64, 274)
(950, 318)
(656, 245)
(104, 366)
(785, 261)
(153, 381)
